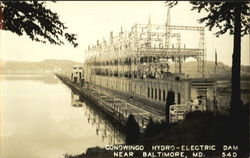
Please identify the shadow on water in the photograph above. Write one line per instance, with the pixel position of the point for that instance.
(105, 128)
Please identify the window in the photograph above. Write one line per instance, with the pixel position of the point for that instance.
(160, 94)
(164, 95)
(148, 92)
(152, 91)
(179, 98)
(155, 93)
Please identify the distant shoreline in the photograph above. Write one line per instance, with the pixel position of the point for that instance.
(66, 66)
(25, 73)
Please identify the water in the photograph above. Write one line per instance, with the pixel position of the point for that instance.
(41, 118)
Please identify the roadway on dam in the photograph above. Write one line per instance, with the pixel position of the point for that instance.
(119, 106)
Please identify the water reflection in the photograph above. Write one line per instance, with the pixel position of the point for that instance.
(38, 120)
(103, 127)
(75, 100)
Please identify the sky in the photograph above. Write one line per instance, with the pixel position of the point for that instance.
(94, 20)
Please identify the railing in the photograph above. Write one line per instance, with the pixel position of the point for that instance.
(177, 113)
(118, 108)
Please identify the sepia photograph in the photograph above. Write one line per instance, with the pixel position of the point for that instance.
(124, 79)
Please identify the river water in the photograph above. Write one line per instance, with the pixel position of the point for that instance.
(42, 118)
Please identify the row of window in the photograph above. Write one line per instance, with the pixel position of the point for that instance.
(125, 61)
(128, 74)
(77, 68)
(160, 96)
(156, 94)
